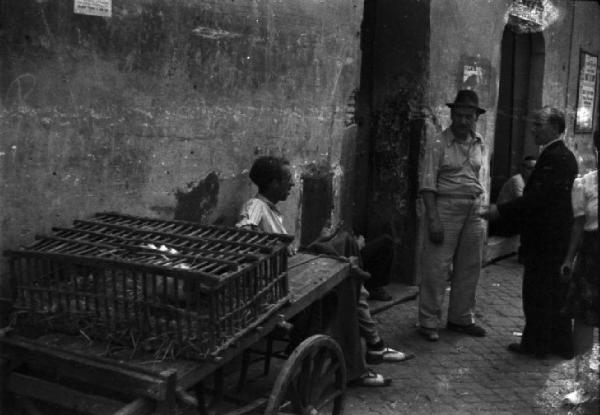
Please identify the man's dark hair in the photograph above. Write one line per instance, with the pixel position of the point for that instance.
(556, 118)
(529, 158)
(265, 169)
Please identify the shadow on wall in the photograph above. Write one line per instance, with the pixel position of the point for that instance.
(199, 202)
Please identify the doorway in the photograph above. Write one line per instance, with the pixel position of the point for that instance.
(520, 93)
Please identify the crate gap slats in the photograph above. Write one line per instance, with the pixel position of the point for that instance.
(196, 295)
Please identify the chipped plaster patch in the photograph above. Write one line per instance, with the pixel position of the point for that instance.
(214, 34)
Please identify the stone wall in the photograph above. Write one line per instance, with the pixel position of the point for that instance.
(160, 109)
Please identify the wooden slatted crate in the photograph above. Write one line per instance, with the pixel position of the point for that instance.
(172, 287)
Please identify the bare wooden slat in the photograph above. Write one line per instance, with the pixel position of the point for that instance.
(28, 280)
(95, 279)
(106, 373)
(124, 293)
(113, 294)
(53, 282)
(178, 315)
(206, 280)
(13, 281)
(140, 406)
(19, 278)
(138, 243)
(262, 248)
(75, 290)
(135, 301)
(105, 288)
(63, 396)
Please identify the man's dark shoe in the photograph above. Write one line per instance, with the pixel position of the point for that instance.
(518, 349)
(470, 329)
(567, 355)
(379, 294)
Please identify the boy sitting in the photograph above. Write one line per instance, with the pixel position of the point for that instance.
(274, 179)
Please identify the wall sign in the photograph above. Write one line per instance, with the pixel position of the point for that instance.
(586, 92)
(93, 7)
(475, 74)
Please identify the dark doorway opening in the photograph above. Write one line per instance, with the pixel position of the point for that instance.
(520, 93)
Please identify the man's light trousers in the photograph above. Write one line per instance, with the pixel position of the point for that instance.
(462, 248)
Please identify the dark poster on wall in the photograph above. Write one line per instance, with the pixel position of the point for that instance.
(475, 74)
(586, 92)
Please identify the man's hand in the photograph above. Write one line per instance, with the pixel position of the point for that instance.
(436, 230)
(291, 250)
(328, 231)
(489, 213)
(360, 241)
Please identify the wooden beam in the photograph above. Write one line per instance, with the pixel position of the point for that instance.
(249, 408)
(103, 372)
(140, 406)
(60, 395)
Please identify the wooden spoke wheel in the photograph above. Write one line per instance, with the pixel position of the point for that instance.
(312, 381)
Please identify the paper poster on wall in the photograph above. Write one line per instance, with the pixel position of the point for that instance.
(93, 7)
(475, 74)
(586, 93)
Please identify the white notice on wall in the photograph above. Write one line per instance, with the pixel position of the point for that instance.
(93, 7)
(584, 120)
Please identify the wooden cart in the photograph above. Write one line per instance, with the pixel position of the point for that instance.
(77, 374)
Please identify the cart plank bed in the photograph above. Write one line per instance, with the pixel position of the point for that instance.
(156, 385)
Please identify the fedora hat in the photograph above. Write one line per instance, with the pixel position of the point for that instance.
(466, 98)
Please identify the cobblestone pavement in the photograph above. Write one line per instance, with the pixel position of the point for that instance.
(466, 375)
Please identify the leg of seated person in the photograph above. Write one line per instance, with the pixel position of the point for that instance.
(343, 327)
(366, 324)
(342, 244)
(377, 351)
(377, 257)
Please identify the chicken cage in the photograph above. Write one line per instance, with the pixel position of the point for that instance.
(171, 287)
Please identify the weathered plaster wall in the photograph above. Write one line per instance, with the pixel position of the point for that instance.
(160, 109)
(464, 28)
(586, 36)
(575, 28)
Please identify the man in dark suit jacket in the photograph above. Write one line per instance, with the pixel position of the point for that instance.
(544, 216)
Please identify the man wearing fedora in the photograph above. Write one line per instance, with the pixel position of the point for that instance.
(452, 194)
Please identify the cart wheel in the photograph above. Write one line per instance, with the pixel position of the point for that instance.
(312, 381)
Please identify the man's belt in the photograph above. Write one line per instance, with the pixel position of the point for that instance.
(458, 196)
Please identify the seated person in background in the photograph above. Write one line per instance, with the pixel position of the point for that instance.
(514, 186)
(512, 189)
(274, 180)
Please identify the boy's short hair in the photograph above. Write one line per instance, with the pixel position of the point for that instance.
(265, 169)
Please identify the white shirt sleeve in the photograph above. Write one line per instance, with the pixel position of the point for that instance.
(251, 214)
(578, 197)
